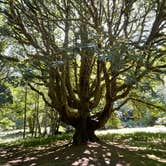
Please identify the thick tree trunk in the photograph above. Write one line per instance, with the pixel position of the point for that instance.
(84, 133)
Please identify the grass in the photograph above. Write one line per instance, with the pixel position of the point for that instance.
(148, 142)
(141, 139)
(30, 142)
(136, 136)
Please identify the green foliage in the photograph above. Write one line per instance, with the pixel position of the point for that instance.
(114, 122)
(6, 123)
(4, 30)
(161, 121)
(5, 95)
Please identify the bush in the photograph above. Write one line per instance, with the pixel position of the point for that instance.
(6, 124)
(161, 121)
(114, 122)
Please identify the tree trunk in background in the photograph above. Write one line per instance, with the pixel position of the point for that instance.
(37, 126)
(55, 122)
(31, 123)
(45, 121)
(25, 112)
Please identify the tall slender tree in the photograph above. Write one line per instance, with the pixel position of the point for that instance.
(25, 111)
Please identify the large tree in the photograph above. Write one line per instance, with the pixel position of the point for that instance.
(88, 51)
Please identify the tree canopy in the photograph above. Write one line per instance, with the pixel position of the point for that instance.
(87, 52)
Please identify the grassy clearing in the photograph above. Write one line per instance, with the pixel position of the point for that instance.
(142, 139)
(136, 136)
(31, 142)
(152, 144)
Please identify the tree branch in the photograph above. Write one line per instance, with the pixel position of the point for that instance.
(147, 103)
(41, 94)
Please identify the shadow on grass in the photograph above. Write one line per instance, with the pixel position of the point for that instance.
(94, 154)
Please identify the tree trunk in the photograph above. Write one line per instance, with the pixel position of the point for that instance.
(84, 133)
(45, 121)
(55, 122)
(25, 111)
(31, 123)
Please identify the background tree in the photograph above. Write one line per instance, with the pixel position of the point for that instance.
(85, 52)
(5, 92)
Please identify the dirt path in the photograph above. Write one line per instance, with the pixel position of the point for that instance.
(93, 154)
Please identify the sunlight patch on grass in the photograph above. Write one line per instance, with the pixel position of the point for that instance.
(158, 129)
(153, 157)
